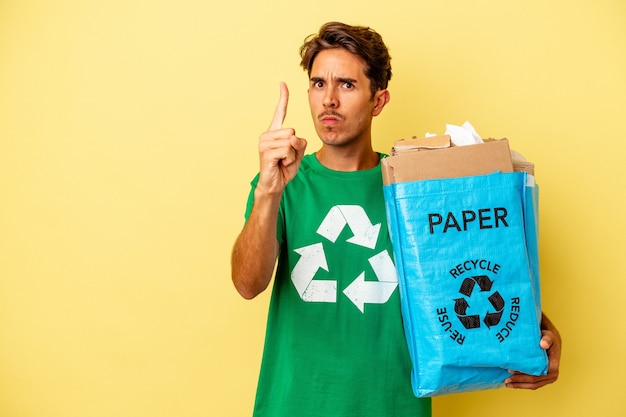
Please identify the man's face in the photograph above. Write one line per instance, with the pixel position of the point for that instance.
(340, 98)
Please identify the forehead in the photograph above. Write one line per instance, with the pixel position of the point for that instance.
(338, 62)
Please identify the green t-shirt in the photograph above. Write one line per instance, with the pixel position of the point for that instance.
(334, 342)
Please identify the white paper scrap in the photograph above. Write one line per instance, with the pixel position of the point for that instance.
(463, 135)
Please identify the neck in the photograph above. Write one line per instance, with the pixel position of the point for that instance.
(339, 159)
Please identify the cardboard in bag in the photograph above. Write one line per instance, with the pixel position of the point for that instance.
(426, 159)
(416, 144)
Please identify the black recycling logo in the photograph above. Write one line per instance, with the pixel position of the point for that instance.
(461, 305)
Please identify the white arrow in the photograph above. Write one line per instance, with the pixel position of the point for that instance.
(383, 267)
(332, 225)
(364, 232)
(321, 291)
(312, 258)
(361, 292)
(371, 292)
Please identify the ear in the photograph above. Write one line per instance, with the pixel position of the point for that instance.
(381, 98)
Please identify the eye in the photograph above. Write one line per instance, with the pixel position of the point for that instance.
(318, 83)
(348, 85)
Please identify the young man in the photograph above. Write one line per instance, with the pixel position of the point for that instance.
(334, 344)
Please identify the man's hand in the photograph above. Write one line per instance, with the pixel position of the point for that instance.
(255, 251)
(280, 151)
(551, 342)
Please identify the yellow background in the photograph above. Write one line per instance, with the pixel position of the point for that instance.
(128, 137)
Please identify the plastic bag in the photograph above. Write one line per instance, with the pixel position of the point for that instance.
(467, 260)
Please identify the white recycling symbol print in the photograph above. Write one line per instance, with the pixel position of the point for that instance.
(313, 258)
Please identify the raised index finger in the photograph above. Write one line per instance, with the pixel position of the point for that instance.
(281, 108)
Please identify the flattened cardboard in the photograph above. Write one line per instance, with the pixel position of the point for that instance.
(521, 164)
(456, 161)
(421, 144)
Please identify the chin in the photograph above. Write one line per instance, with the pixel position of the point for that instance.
(329, 137)
(332, 140)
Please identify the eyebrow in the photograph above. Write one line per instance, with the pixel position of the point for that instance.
(340, 79)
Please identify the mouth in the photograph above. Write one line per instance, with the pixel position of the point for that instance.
(330, 118)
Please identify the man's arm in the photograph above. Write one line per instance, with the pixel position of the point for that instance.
(256, 248)
(551, 342)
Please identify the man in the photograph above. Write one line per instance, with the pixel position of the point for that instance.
(334, 344)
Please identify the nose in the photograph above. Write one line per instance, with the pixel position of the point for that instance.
(330, 98)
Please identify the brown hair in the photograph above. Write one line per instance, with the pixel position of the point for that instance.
(359, 40)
